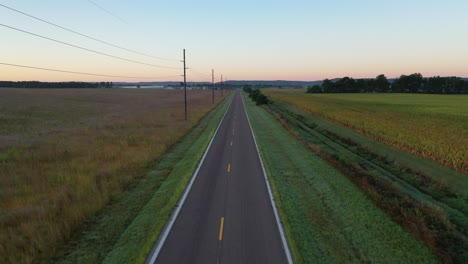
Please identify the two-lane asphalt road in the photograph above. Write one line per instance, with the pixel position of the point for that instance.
(227, 216)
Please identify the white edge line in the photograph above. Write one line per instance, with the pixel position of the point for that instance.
(167, 229)
(272, 199)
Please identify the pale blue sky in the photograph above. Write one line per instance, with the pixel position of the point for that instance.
(293, 40)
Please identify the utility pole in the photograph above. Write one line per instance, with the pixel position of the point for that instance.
(185, 87)
(212, 80)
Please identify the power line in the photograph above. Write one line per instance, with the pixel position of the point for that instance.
(199, 73)
(107, 11)
(204, 78)
(86, 49)
(83, 73)
(84, 35)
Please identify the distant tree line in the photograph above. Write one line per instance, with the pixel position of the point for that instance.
(256, 95)
(54, 85)
(414, 83)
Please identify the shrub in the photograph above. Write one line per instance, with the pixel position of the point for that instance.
(314, 89)
(247, 88)
(261, 99)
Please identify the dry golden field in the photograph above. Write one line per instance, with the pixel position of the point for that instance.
(66, 153)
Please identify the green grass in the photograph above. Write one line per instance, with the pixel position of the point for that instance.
(455, 180)
(11, 154)
(125, 231)
(432, 210)
(431, 126)
(327, 218)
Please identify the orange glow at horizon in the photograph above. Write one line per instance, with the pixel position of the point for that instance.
(21, 74)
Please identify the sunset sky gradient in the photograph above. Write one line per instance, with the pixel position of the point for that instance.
(243, 40)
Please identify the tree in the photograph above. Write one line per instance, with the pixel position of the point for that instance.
(436, 85)
(346, 85)
(399, 84)
(328, 86)
(247, 88)
(314, 89)
(381, 84)
(261, 99)
(415, 82)
(364, 86)
(254, 94)
(257, 96)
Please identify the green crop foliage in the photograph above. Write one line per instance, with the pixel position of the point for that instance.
(431, 126)
(327, 218)
(428, 199)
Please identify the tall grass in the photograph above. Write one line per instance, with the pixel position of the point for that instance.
(139, 214)
(64, 154)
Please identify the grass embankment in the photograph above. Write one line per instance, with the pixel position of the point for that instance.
(432, 126)
(65, 153)
(326, 217)
(429, 200)
(126, 230)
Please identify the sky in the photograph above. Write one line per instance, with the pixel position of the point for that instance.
(242, 39)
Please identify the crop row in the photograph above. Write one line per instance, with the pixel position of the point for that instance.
(433, 211)
(431, 126)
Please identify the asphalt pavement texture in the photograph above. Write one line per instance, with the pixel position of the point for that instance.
(227, 216)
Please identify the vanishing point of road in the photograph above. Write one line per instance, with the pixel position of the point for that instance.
(227, 216)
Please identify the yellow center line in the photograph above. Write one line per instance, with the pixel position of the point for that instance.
(229, 167)
(221, 229)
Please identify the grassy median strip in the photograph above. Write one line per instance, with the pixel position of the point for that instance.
(125, 231)
(327, 218)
